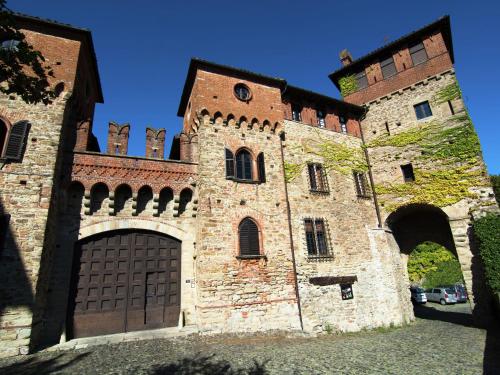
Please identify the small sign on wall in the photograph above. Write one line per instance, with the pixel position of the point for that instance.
(346, 291)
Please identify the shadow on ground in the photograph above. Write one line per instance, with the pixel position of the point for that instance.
(491, 361)
(205, 365)
(34, 365)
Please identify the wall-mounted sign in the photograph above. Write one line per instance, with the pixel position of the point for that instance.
(346, 291)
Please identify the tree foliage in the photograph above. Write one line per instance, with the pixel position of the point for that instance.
(22, 68)
(446, 273)
(426, 258)
(487, 233)
(495, 181)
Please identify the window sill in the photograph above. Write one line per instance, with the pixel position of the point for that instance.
(245, 257)
(322, 192)
(319, 258)
(364, 197)
(242, 181)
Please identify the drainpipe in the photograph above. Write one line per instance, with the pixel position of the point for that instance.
(370, 174)
(297, 295)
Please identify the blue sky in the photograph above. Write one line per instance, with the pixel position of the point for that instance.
(143, 49)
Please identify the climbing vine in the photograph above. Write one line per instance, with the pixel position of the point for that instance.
(348, 85)
(449, 92)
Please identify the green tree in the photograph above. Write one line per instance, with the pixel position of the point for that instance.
(426, 258)
(446, 273)
(22, 68)
(487, 234)
(495, 181)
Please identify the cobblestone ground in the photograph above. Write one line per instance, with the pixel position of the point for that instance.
(437, 343)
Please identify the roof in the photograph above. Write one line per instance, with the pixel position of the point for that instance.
(287, 90)
(66, 27)
(442, 23)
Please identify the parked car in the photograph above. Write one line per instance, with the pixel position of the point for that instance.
(442, 295)
(460, 292)
(418, 295)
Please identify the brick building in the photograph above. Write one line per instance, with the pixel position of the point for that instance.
(278, 208)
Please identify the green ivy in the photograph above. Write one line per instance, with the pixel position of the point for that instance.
(449, 92)
(348, 85)
(487, 233)
(292, 170)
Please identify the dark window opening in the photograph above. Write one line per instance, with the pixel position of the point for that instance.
(229, 164)
(242, 92)
(361, 80)
(452, 110)
(316, 237)
(387, 128)
(317, 178)
(320, 115)
(249, 238)
(388, 67)
(408, 174)
(296, 112)
(343, 124)
(4, 228)
(261, 168)
(243, 165)
(361, 184)
(422, 110)
(418, 53)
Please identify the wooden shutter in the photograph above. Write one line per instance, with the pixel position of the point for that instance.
(388, 67)
(229, 164)
(17, 141)
(418, 53)
(249, 238)
(262, 168)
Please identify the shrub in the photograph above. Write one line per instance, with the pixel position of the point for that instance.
(487, 234)
(447, 273)
(426, 258)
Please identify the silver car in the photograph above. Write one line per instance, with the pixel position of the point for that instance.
(418, 295)
(441, 295)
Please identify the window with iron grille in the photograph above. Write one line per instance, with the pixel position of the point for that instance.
(316, 238)
(418, 53)
(422, 110)
(388, 67)
(296, 112)
(249, 238)
(408, 174)
(320, 115)
(361, 80)
(361, 184)
(317, 178)
(343, 124)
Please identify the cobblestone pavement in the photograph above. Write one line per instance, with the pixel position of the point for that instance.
(437, 343)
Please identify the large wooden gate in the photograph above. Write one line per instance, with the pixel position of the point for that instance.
(123, 281)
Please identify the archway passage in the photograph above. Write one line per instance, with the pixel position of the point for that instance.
(124, 280)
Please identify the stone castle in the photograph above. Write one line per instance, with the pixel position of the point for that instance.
(277, 209)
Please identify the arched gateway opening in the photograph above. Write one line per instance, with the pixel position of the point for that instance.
(124, 280)
(425, 229)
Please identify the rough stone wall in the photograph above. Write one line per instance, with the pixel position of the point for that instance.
(357, 247)
(242, 294)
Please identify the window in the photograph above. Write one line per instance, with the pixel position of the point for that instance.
(296, 112)
(361, 184)
(261, 168)
(316, 239)
(248, 238)
(243, 165)
(4, 227)
(9, 45)
(450, 105)
(422, 110)
(242, 92)
(317, 178)
(4, 130)
(13, 148)
(361, 80)
(388, 67)
(408, 174)
(418, 53)
(320, 115)
(229, 164)
(343, 124)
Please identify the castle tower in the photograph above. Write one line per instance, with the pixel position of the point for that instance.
(155, 143)
(118, 138)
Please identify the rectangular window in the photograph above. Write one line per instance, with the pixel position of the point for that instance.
(422, 110)
(450, 105)
(361, 184)
(296, 112)
(388, 67)
(408, 174)
(316, 238)
(320, 115)
(317, 178)
(418, 53)
(343, 124)
(361, 80)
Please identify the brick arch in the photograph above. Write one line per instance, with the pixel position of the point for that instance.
(218, 118)
(254, 124)
(230, 120)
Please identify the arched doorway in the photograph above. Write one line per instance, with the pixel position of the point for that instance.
(124, 280)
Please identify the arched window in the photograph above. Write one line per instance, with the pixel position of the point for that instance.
(244, 165)
(249, 238)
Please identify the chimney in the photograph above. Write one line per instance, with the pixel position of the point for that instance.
(345, 57)
(118, 138)
(155, 143)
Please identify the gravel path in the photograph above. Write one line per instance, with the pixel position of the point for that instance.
(437, 343)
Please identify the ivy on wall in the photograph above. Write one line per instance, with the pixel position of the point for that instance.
(348, 85)
(487, 233)
(449, 92)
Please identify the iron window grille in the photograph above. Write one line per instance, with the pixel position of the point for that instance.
(343, 124)
(321, 118)
(296, 112)
(422, 110)
(418, 54)
(318, 181)
(361, 80)
(388, 67)
(316, 238)
(361, 184)
(408, 174)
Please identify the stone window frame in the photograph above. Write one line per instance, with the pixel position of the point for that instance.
(327, 238)
(230, 158)
(418, 103)
(318, 183)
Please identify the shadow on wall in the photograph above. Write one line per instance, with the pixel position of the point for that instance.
(15, 287)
